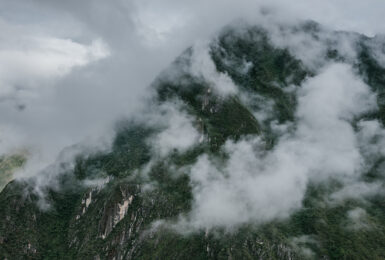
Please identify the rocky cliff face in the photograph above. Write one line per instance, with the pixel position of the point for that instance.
(117, 217)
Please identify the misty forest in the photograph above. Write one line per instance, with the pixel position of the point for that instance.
(145, 129)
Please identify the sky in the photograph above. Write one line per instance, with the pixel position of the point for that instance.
(70, 69)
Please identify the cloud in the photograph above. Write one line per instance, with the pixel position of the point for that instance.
(358, 218)
(57, 57)
(372, 139)
(357, 190)
(255, 185)
(202, 66)
(301, 244)
(177, 134)
(311, 46)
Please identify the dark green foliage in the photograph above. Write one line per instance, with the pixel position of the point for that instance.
(271, 69)
(53, 225)
(129, 152)
(219, 117)
(19, 226)
(374, 75)
(247, 243)
(334, 236)
(8, 164)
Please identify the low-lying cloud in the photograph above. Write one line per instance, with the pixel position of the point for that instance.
(255, 185)
(177, 134)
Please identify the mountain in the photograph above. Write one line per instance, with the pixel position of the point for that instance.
(134, 200)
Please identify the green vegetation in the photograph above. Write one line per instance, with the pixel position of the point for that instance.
(8, 164)
(271, 69)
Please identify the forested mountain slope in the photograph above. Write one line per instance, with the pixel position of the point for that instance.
(145, 199)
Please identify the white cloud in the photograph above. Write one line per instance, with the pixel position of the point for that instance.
(301, 244)
(203, 66)
(372, 139)
(178, 132)
(358, 190)
(259, 186)
(38, 59)
(358, 219)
